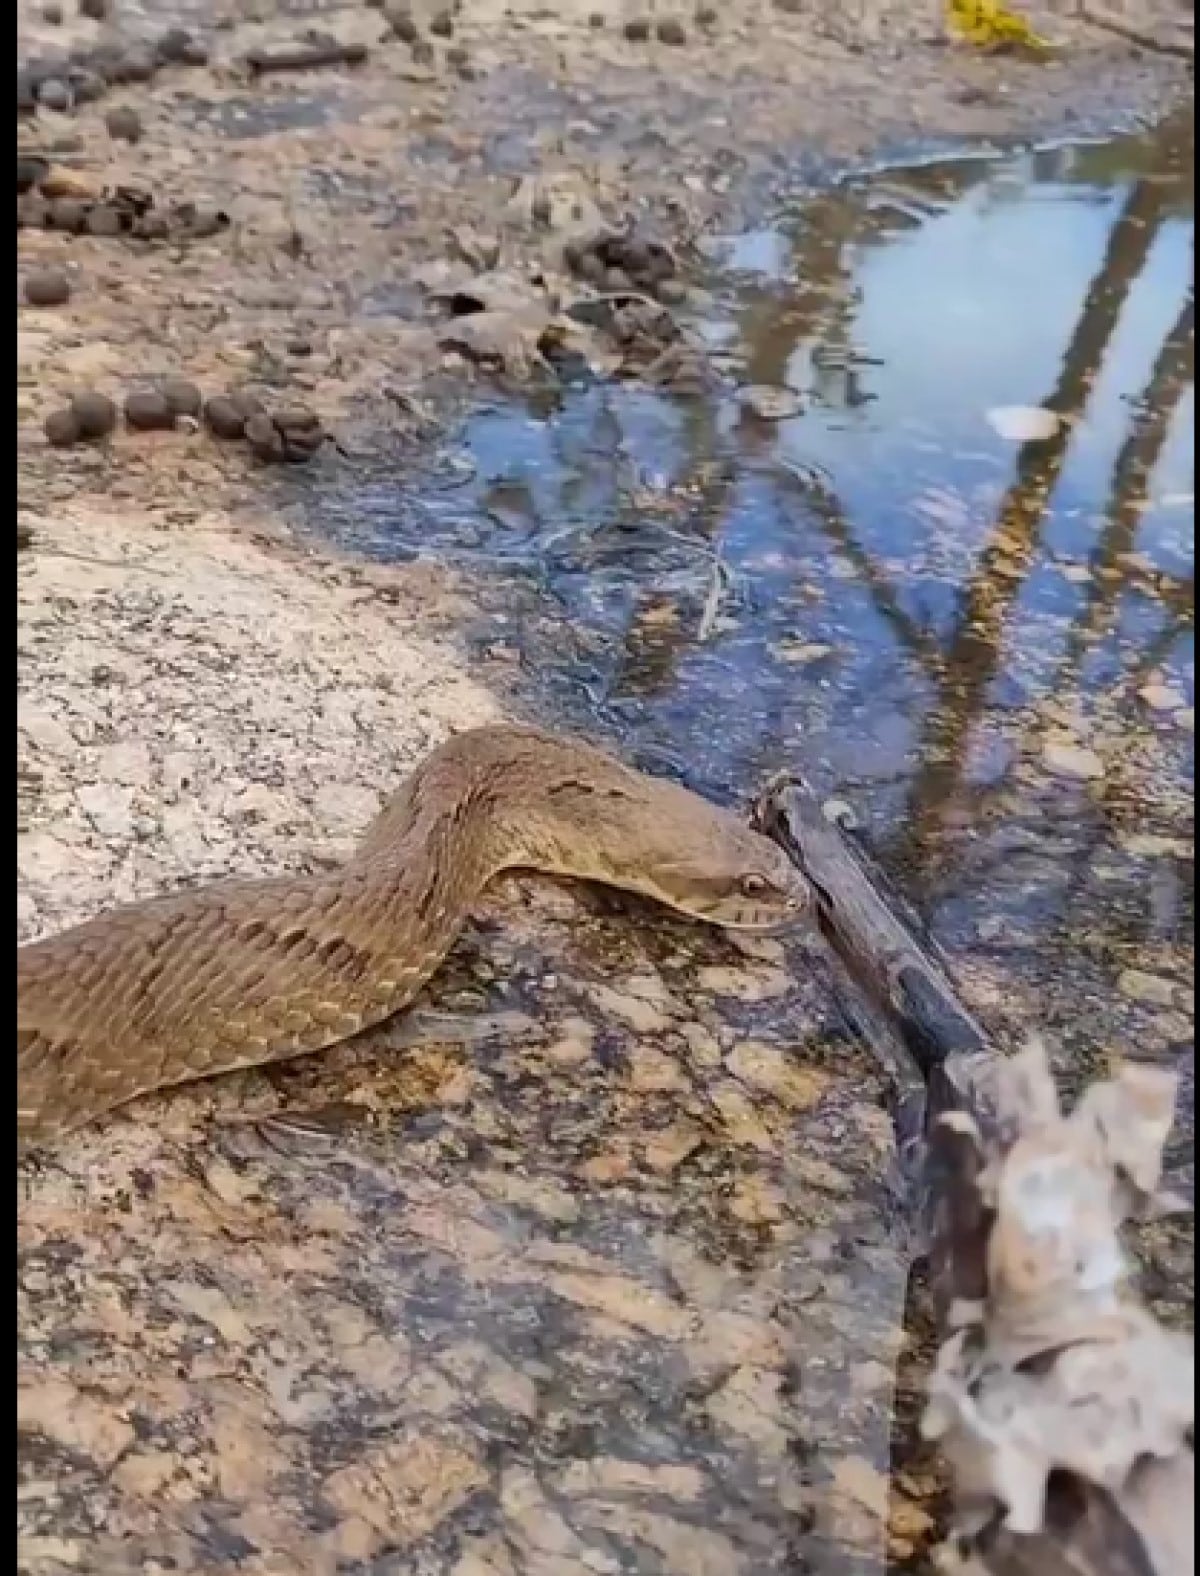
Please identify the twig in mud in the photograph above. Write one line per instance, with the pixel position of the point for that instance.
(304, 57)
(718, 583)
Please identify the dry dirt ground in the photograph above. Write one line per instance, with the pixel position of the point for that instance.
(532, 1311)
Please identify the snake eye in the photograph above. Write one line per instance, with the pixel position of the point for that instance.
(754, 886)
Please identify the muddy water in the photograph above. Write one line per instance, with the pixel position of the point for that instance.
(986, 645)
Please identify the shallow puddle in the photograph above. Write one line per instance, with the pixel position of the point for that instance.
(985, 644)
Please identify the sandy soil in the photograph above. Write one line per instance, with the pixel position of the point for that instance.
(444, 1345)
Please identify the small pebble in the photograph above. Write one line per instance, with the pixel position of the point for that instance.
(442, 25)
(299, 347)
(175, 46)
(249, 404)
(184, 398)
(24, 535)
(47, 287)
(95, 10)
(671, 31)
(88, 86)
(33, 212)
(26, 93)
(296, 418)
(459, 60)
(264, 437)
(105, 220)
(30, 173)
(55, 94)
(402, 23)
(136, 65)
(94, 413)
(597, 20)
(53, 14)
(707, 16)
(637, 30)
(224, 417)
(62, 428)
(152, 226)
(149, 410)
(69, 214)
(124, 124)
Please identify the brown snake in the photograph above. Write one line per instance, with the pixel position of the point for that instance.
(243, 973)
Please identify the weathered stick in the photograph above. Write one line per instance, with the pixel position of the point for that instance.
(304, 57)
(1063, 1407)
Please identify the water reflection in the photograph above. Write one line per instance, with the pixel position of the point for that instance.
(883, 586)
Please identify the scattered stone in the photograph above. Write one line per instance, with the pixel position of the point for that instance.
(33, 212)
(62, 428)
(1150, 989)
(124, 124)
(87, 86)
(707, 16)
(442, 25)
(402, 23)
(136, 64)
(1073, 761)
(264, 437)
(95, 413)
(152, 226)
(52, 13)
(55, 94)
(31, 172)
(671, 30)
(95, 10)
(178, 47)
(24, 535)
(69, 214)
(47, 287)
(104, 220)
(224, 417)
(597, 20)
(149, 410)
(637, 29)
(184, 398)
(459, 62)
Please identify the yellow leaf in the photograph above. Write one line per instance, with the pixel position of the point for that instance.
(988, 24)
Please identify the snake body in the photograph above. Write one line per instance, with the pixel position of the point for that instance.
(242, 973)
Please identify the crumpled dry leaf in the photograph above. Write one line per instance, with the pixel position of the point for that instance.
(1062, 1369)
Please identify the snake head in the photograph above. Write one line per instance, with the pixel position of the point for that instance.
(752, 886)
(711, 866)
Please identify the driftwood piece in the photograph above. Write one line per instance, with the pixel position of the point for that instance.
(1063, 1407)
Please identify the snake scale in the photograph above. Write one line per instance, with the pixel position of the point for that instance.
(242, 973)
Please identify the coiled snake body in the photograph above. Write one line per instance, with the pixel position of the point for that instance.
(243, 973)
